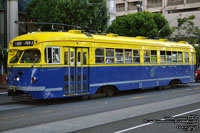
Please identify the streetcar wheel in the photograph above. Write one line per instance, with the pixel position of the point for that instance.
(85, 97)
(173, 84)
(109, 92)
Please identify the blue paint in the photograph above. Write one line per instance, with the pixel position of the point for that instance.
(119, 76)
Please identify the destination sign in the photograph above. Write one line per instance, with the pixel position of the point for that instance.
(23, 43)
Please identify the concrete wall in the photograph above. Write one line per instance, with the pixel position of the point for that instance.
(12, 16)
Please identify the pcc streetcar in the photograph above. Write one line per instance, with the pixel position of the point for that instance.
(46, 65)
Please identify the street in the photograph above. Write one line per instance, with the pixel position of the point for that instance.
(128, 111)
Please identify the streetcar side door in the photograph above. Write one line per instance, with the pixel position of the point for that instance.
(76, 71)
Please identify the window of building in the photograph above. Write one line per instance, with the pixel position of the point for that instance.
(99, 56)
(119, 56)
(180, 57)
(154, 3)
(174, 57)
(186, 57)
(128, 56)
(162, 57)
(52, 55)
(109, 56)
(146, 56)
(136, 56)
(120, 7)
(132, 5)
(169, 57)
(153, 56)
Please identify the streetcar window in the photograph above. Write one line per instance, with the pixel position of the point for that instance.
(109, 56)
(119, 56)
(84, 58)
(162, 57)
(136, 56)
(72, 58)
(169, 57)
(186, 57)
(99, 56)
(153, 56)
(146, 56)
(31, 56)
(16, 58)
(174, 57)
(52, 55)
(180, 57)
(128, 56)
(66, 58)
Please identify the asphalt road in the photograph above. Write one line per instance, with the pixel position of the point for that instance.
(120, 112)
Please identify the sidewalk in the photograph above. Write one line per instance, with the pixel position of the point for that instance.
(3, 87)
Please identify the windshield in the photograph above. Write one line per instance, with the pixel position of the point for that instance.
(31, 56)
(16, 58)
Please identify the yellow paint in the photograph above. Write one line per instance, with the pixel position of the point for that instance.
(137, 97)
(74, 38)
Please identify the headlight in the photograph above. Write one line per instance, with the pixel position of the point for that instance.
(33, 79)
(17, 78)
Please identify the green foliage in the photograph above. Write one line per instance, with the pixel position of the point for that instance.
(186, 31)
(141, 24)
(84, 13)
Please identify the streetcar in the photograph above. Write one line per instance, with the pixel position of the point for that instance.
(45, 65)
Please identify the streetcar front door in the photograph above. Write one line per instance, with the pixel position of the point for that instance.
(76, 70)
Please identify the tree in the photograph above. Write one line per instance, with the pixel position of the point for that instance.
(91, 14)
(186, 31)
(141, 24)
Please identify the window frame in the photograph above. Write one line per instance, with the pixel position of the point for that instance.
(129, 58)
(100, 56)
(137, 56)
(165, 57)
(188, 57)
(122, 57)
(52, 55)
(110, 57)
(146, 57)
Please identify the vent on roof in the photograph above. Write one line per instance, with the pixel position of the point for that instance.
(183, 42)
(75, 31)
(112, 35)
(140, 37)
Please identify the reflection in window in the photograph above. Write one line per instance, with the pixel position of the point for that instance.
(128, 56)
(84, 58)
(146, 56)
(31, 56)
(174, 57)
(99, 56)
(52, 55)
(186, 57)
(72, 58)
(169, 57)
(109, 56)
(16, 58)
(180, 57)
(66, 58)
(136, 56)
(119, 56)
(162, 57)
(153, 56)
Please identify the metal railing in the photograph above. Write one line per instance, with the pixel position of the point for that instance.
(177, 2)
(159, 4)
(132, 8)
(120, 9)
(192, 1)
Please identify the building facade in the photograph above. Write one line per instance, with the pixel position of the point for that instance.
(171, 9)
